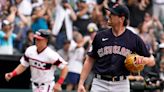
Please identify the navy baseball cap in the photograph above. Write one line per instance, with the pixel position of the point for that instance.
(119, 10)
(42, 34)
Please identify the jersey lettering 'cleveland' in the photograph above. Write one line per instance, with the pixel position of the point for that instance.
(113, 50)
(110, 51)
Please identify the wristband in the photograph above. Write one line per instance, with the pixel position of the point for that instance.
(14, 73)
(61, 80)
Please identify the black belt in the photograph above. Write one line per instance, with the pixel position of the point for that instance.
(110, 78)
(38, 84)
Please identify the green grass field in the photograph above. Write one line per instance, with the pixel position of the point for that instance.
(21, 90)
(15, 90)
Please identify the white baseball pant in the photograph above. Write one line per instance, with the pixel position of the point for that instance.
(43, 87)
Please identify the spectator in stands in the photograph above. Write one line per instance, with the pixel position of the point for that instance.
(23, 14)
(63, 23)
(2, 3)
(160, 51)
(36, 3)
(161, 63)
(21, 23)
(83, 17)
(148, 38)
(153, 24)
(75, 63)
(99, 15)
(162, 69)
(158, 9)
(64, 52)
(137, 10)
(6, 38)
(29, 41)
(5, 8)
(39, 18)
(24, 6)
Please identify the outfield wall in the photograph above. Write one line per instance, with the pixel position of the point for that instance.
(7, 64)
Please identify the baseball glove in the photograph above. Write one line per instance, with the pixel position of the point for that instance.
(130, 64)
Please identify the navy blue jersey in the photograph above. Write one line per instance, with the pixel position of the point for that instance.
(110, 52)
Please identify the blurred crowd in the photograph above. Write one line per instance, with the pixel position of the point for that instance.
(73, 24)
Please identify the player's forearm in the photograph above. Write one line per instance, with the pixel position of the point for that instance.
(86, 69)
(64, 72)
(20, 69)
(150, 61)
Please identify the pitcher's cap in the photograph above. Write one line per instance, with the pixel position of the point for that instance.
(120, 10)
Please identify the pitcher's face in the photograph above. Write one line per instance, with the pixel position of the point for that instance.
(113, 20)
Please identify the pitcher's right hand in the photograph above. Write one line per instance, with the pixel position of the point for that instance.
(81, 88)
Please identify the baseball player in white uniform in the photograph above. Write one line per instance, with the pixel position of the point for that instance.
(42, 61)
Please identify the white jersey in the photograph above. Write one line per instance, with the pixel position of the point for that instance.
(42, 64)
(75, 63)
(76, 56)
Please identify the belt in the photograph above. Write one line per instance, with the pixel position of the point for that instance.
(38, 84)
(110, 78)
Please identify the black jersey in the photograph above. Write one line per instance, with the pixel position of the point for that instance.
(110, 52)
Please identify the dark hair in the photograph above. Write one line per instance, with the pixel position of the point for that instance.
(28, 32)
(82, 1)
(99, 1)
(125, 22)
(64, 1)
(86, 45)
(67, 42)
(3, 24)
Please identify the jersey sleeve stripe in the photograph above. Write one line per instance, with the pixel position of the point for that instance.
(57, 63)
(26, 58)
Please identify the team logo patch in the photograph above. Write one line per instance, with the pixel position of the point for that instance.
(39, 65)
(104, 39)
